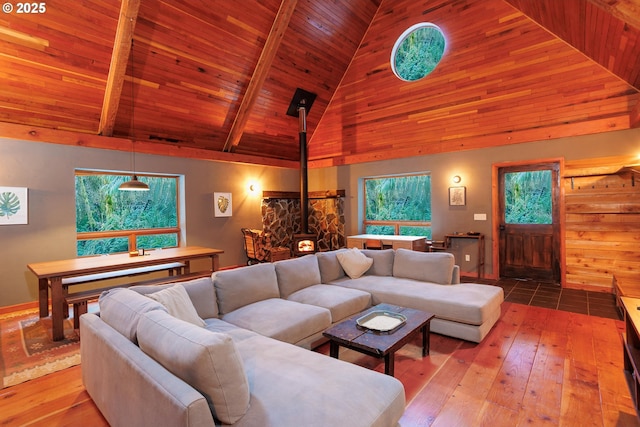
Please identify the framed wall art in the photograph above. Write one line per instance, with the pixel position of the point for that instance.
(13, 206)
(222, 205)
(457, 196)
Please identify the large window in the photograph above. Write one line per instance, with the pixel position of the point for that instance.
(109, 220)
(398, 205)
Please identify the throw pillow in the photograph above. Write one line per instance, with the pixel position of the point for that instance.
(200, 291)
(207, 361)
(178, 304)
(121, 309)
(354, 262)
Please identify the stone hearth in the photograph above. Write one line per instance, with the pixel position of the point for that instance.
(281, 218)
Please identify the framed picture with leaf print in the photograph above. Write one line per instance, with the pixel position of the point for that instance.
(13, 206)
(222, 204)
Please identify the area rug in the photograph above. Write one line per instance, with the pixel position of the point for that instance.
(26, 348)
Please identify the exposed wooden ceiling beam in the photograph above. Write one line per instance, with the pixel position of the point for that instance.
(117, 70)
(280, 25)
(625, 10)
(76, 139)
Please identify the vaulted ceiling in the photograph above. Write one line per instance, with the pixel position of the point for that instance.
(214, 79)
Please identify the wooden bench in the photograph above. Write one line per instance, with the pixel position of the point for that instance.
(174, 269)
(80, 300)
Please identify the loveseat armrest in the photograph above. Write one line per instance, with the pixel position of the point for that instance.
(455, 276)
(129, 387)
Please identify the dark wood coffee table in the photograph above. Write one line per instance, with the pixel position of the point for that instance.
(380, 345)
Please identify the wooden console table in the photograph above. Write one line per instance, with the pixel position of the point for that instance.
(414, 243)
(480, 238)
(51, 274)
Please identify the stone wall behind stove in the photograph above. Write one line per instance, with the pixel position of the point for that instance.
(281, 218)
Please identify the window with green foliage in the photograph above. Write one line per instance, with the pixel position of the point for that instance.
(398, 205)
(417, 52)
(528, 198)
(109, 220)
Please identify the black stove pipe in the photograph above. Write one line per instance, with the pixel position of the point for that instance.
(304, 184)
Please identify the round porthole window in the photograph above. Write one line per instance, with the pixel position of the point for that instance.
(417, 51)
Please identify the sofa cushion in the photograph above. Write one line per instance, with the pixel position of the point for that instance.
(243, 286)
(208, 361)
(434, 267)
(201, 293)
(297, 273)
(354, 262)
(281, 319)
(330, 268)
(121, 309)
(382, 261)
(178, 304)
(341, 302)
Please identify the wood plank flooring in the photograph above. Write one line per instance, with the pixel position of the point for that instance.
(537, 367)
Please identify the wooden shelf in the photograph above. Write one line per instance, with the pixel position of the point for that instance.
(631, 170)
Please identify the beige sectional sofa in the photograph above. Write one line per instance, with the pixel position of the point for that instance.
(233, 349)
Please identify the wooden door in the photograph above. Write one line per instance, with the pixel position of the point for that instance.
(529, 215)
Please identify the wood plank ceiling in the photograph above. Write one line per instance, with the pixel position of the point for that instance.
(214, 79)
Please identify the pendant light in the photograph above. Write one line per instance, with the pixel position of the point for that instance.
(134, 184)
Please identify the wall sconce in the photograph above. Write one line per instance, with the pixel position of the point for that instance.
(457, 179)
(253, 187)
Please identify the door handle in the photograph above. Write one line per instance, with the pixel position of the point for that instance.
(501, 227)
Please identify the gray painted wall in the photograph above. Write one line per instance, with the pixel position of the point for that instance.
(48, 171)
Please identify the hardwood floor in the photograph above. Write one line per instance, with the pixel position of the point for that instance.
(537, 367)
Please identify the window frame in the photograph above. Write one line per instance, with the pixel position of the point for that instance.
(396, 224)
(403, 37)
(133, 234)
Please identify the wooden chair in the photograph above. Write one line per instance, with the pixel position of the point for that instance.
(373, 244)
(438, 246)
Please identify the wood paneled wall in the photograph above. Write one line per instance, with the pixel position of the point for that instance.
(602, 223)
(501, 81)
